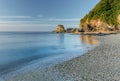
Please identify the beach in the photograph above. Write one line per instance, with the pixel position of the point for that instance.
(99, 64)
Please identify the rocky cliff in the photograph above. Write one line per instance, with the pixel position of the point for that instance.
(104, 17)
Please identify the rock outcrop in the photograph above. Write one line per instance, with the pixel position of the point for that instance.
(98, 26)
(69, 30)
(59, 29)
(72, 30)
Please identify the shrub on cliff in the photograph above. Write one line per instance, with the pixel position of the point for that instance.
(106, 10)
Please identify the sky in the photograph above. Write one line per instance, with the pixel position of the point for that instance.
(42, 15)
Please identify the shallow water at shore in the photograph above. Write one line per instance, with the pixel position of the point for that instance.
(19, 49)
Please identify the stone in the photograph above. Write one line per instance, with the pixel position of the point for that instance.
(59, 29)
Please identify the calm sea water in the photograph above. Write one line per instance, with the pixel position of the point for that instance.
(19, 48)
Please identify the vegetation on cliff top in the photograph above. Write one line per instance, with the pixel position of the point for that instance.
(106, 10)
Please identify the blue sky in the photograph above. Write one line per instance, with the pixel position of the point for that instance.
(42, 15)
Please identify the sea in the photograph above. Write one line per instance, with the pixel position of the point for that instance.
(33, 50)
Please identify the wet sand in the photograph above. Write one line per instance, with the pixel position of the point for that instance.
(100, 64)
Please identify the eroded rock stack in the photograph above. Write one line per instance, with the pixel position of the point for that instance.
(59, 29)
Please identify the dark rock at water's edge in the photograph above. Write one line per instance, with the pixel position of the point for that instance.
(69, 30)
(73, 30)
(61, 29)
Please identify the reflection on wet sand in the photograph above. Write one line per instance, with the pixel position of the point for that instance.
(88, 39)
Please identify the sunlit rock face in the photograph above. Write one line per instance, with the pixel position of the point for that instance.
(97, 26)
(59, 29)
(118, 19)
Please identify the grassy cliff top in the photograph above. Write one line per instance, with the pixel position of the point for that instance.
(106, 10)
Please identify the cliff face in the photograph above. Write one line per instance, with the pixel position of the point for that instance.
(105, 16)
(118, 19)
(99, 26)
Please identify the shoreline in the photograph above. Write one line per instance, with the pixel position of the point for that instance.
(97, 33)
(102, 64)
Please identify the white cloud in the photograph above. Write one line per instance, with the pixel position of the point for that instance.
(25, 27)
(60, 19)
(40, 18)
(19, 22)
(39, 24)
(10, 17)
(22, 23)
(25, 23)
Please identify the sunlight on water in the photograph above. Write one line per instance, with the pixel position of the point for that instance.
(87, 39)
